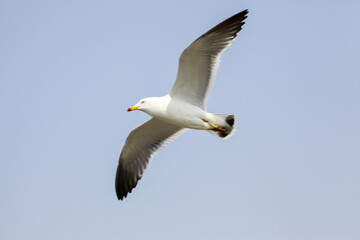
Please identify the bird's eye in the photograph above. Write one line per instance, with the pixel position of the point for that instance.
(142, 101)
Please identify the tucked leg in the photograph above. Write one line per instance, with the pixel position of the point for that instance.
(215, 126)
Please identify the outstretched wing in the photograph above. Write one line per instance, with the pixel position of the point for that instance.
(142, 143)
(199, 62)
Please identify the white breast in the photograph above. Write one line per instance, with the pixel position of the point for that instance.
(179, 113)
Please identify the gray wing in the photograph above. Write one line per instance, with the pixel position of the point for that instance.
(142, 143)
(199, 62)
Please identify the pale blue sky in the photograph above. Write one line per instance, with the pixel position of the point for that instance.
(69, 70)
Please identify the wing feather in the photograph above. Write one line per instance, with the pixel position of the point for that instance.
(199, 62)
(140, 146)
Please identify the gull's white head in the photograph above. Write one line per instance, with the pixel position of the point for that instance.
(152, 105)
(145, 104)
(141, 105)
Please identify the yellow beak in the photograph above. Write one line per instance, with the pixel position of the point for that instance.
(132, 108)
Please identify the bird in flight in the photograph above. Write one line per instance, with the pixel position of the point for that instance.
(183, 108)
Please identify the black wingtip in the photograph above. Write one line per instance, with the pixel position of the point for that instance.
(241, 15)
(233, 24)
(120, 195)
(246, 11)
(123, 183)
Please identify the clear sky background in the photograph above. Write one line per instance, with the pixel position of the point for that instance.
(70, 69)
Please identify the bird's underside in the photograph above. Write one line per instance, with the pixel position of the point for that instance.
(198, 65)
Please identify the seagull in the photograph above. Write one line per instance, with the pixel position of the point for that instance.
(183, 108)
